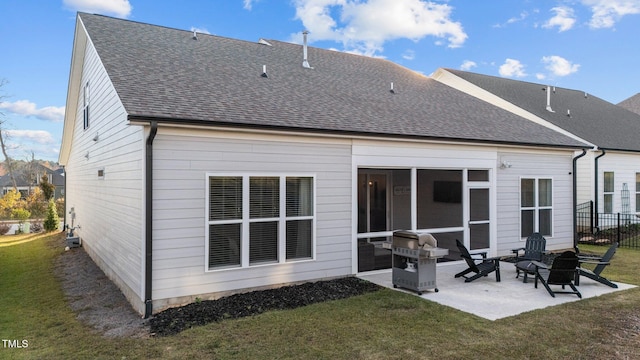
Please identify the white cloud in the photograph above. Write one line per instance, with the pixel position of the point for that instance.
(523, 15)
(119, 8)
(468, 65)
(559, 66)
(607, 12)
(409, 55)
(541, 76)
(512, 68)
(364, 26)
(27, 108)
(564, 19)
(37, 136)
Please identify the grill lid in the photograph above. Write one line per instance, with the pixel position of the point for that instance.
(424, 240)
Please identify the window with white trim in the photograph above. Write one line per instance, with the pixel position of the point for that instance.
(536, 206)
(256, 220)
(85, 106)
(608, 191)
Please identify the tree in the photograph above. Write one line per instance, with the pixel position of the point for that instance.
(8, 202)
(52, 220)
(46, 187)
(3, 135)
(36, 203)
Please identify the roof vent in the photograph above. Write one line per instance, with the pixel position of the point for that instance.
(305, 61)
(264, 42)
(548, 90)
(569, 112)
(264, 71)
(391, 90)
(195, 35)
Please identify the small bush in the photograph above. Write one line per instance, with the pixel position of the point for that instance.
(4, 228)
(52, 220)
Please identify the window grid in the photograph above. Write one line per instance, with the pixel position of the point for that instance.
(608, 192)
(536, 206)
(272, 220)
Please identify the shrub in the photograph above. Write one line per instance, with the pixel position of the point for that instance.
(35, 204)
(52, 220)
(60, 207)
(8, 202)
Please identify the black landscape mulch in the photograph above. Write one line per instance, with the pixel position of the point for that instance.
(174, 320)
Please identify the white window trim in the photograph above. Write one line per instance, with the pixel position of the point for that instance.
(605, 193)
(246, 220)
(536, 208)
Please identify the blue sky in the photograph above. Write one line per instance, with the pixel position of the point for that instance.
(588, 45)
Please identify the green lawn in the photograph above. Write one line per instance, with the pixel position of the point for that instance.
(383, 325)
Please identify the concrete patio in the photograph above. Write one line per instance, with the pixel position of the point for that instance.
(493, 300)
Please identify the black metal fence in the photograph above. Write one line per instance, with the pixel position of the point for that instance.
(605, 228)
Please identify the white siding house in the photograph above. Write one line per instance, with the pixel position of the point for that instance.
(609, 173)
(104, 170)
(192, 172)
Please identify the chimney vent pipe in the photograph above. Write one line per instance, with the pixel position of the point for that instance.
(305, 60)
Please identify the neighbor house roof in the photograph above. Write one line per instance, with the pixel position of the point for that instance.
(24, 179)
(632, 103)
(602, 123)
(167, 75)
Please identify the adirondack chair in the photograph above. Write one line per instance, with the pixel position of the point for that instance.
(484, 267)
(601, 263)
(563, 272)
(533, 250)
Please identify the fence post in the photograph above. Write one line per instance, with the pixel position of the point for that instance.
(619, 228)
(591, 217)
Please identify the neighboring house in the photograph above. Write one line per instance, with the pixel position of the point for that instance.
(609, 174)
(199, 166)
(632, 103)
(27, 179)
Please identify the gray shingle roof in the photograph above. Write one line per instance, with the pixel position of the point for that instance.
(600, 122)
(632, 103)
(164, 73)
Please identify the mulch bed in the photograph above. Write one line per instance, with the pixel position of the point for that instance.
(174, 320)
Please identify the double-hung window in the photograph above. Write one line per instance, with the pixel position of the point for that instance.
(536, 206)
(608, 191)
(256, 220)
